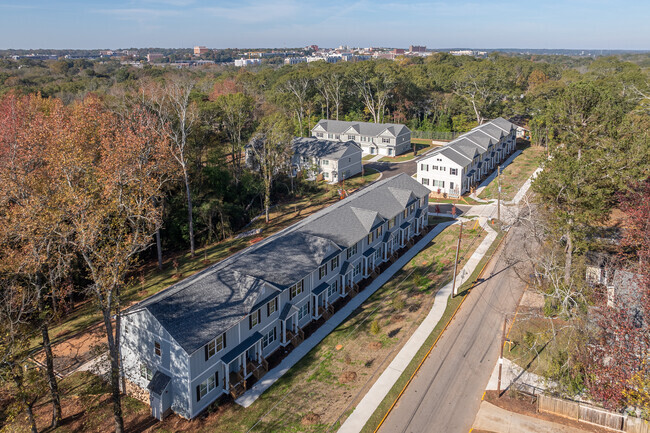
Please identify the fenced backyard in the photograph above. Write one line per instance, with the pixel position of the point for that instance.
(592, 415)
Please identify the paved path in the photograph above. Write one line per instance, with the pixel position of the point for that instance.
(446, 393)
(511, 372)
(385, 382)
(272, 376)
(494, 419)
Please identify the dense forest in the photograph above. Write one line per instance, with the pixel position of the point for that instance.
(104, 166)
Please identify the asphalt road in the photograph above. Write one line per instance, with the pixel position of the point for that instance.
(446, 393)
(390, 169)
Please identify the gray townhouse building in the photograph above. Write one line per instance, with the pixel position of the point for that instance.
(334, 160)
(457, 167)
(211, 334)
(389, 139)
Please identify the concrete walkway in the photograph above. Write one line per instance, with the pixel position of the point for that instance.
(385, 382)
(510, 373)
(299, 352)
(375, 159)
(524, 188)
(494, 419)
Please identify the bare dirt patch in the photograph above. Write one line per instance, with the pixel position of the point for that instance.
(348, 376)
(375, 345)
(310, 419)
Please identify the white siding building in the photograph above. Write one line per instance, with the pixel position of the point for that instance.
(459, 166)
(388, 139)
(334, 160)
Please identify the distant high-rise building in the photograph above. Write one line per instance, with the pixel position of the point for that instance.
(200, 50)
(417, 48)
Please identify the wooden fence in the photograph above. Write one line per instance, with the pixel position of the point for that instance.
(592, 415)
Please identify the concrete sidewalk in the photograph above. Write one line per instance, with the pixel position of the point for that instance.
(494, 419)
(299, 352)
(367, 406)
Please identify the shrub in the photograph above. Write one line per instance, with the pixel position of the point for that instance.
(374, 327)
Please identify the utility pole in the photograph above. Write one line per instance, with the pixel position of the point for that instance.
(499, 197)
(503, 343)
(453, 283)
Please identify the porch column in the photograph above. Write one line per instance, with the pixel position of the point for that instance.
(242, 359)
(227, 375)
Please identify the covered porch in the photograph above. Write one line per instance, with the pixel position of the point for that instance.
(242, 362)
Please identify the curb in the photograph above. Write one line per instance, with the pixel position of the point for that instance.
(417, 369)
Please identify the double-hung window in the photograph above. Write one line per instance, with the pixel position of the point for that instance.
(303, 311)
(351, 137)
(145, 371)
(215, 346)
(207, 385)
(269, 337)
(322, 271)
(391, 223)
(156, 349)
(357, 269)
(334, 263)
(254, 319)
(272, 307)
(453, 171)
(296, 289)
(425, 181)
(424, 167)
(352, 251)
(385, 140)
(369, 238)
(325, 162)
(319, 134)
(333, 288)
(380, 230)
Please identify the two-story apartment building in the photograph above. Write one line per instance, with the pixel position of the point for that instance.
(335, 160)
(460, 165)
(388, 139)
(210, 334)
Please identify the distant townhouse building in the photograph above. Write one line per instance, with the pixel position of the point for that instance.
(417, 49)
(334, 160)
(212, 334)
(388, 139)
(460, 165)
(247, 62)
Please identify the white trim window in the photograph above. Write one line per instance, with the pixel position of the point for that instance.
(157, 349)
(352, 251)
(453, 171)
(385, 140)
(269, 338)
(425, 181)
(322, 271)
(357, 269)
(334, 263)
(145, 371)
(296, 289)
(333, 288)
(206, 386)
(303, 311)
(254, 319)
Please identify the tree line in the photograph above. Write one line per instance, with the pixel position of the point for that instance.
(110, 166)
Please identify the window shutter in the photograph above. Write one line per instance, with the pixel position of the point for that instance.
(259, 316)
(268, 309)
(216, 378)
(290, 294)
(275, 334)
(198, 392)
(206, 352)
(224, 340)
(250, 322)
(276, 304)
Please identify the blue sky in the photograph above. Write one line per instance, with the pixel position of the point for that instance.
(589, 24)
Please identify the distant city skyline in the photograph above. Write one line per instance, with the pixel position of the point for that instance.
(98, 24)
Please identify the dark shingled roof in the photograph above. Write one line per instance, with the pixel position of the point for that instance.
(463, 149)
(158, 382)
(203, 306)
(363, 128)
(320, 148)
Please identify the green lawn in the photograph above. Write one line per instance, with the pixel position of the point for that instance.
(462, 200)
(148, 280)
(367, 157)
(515, 175)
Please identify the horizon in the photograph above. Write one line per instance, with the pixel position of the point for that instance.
(178, 24)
